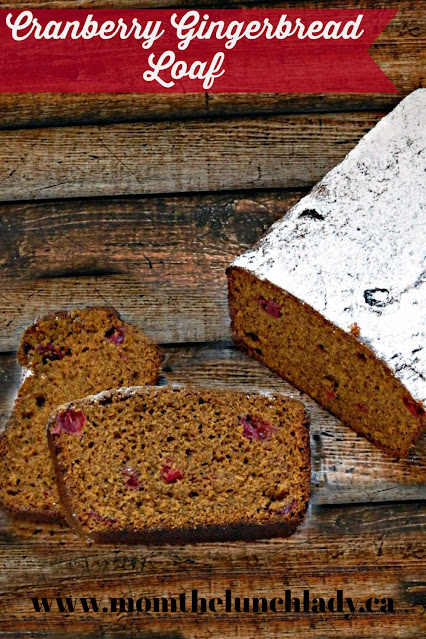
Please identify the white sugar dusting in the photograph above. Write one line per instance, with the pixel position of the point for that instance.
(355, 247)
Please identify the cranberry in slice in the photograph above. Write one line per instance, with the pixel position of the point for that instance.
(132, 481)
(329, 394)
(363, 407)
(269, 306)
(288, 508)
(70, 421)
(115, 335)
(414, 408)
(256, 428)
(101, 518)
(49, 351)
(330, 388)
(171, 475)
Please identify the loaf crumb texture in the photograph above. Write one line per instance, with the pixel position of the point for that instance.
(68, 355)
(172, 464)
(334, 368)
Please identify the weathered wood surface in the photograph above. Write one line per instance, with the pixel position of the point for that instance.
(398, 51)
(62, 109)
(117, 235)
(345, 468)
(161, 261)
(364, 550)
(173, 157)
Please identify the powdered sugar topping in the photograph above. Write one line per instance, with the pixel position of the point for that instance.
(354, 248)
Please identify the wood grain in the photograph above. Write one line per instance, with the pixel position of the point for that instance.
(364, 550)
(55, 239)
(399, 51)
(185, 306)
(33, 110)
(174, 157)
(345, 468)
(160, 261)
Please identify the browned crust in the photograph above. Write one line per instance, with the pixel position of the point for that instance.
(241, 531)
(237, 532)
(392, 451)
(42, 516)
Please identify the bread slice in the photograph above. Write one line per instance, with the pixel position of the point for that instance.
(143, 465)
(333, 298)
(69, 355)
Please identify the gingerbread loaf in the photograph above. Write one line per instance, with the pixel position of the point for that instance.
(143, 465)
(67, 355)
(333, 298)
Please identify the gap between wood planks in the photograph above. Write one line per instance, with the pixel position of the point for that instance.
(46, 110)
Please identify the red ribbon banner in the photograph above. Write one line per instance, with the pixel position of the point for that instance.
(191, 51)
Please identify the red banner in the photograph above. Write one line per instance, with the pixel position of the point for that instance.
(191, 51)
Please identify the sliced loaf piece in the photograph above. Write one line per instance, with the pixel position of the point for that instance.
(144, 465)
(333, 298)
(69, 355)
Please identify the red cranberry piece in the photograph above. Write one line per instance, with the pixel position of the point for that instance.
(171, 475)
(115, 335)
(49, 351)
(70, 421)
(329, 394)
(269, 306)
(101, 518)
(363, 408)
(288, 508)
(414, 408)
(256, 428)
(132, 478)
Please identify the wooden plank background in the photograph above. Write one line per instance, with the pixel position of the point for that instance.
(173, 157)
(141, 202)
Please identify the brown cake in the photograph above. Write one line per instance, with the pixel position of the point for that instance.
(333, 298)
(144, 465)
(69, 355)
